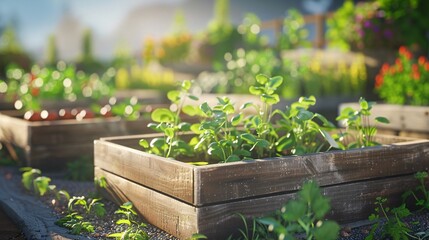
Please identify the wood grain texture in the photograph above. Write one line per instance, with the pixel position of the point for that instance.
(171, 177)
(350, 202)
(51, 144)
(246, 179)
(167, 213)
(401, 117)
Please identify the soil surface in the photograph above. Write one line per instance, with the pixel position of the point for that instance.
(36, 216)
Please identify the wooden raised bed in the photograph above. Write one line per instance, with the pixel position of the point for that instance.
(51, 144)
(408, 121)
(183, 199)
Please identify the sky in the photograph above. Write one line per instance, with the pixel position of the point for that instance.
(35, 20)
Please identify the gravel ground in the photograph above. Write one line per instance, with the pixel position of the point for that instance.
(106, 225)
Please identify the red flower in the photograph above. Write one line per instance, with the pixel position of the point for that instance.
(422, 60)
(398, 61)
(35, 92)
(378, 81)
(403, 51)
(392, 70)
(385, 68)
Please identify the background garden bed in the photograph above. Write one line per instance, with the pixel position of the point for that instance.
(51, 144)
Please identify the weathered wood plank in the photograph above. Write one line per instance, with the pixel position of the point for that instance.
(50, 144)
(222, 182)
(171, 177)
(225, 182)
(171, 215)
(349, 201)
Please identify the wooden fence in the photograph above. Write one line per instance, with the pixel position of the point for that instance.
(318, 20)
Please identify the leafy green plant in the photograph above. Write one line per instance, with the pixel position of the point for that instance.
(216, 134)
(134, 229)
(394, 226)
(33, 181)
(169, 122)
(302, 133)
(304, 215)
(421, 199)
(75, 223)
(358, 125)
(92, 206)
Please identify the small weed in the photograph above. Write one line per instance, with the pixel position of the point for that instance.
(134, 230)
(33, 181)
(422, 199)
(75, 223)
(394, 226)
(93, 206)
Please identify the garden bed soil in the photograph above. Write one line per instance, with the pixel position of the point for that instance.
(183, 199)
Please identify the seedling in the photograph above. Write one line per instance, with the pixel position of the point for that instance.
(420, 194)
(394, 226)
(169, 122)
(75, 223)
(33, 181)
(93, 206)
(357, 124)
(134, 229)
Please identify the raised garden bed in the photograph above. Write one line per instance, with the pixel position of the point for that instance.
(183, 199)
(51, 144)
(405, 120)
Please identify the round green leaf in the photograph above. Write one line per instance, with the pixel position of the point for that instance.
(144, 143)
(173, 95)
(186, 85)
(163, 115)
(256, 90)
(262, 79)
(382, 120)
(275, 82)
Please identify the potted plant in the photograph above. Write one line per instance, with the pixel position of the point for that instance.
(404, 88)
(232, 163)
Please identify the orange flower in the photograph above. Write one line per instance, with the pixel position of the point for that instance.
(427, 66)
(378, 81)
(392, 70)
(402, 50)
(422, 60)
